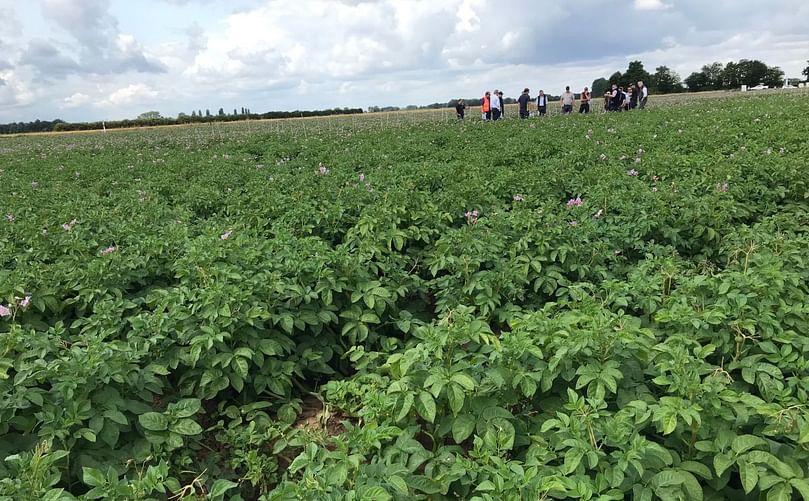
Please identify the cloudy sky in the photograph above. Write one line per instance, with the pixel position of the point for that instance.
(111, 59)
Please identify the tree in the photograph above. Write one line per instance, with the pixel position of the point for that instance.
(221, 112)
(666, 81)
(731, 76)
(697, 82)
(599, 87)
(149, 115)
(713, 76)
(805, 71)
(199, 113)
(193, 114)
(207, 112)
(774, 77)
(635, 72)
(616, 78)
(752, 72)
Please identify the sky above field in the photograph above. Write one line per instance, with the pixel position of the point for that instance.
(112, 59)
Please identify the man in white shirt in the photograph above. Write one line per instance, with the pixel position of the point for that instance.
(495, 105)
(542, 103)
(644, 94)
(567, 101)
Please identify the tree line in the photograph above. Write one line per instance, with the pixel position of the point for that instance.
(154, 118)
(713, 76)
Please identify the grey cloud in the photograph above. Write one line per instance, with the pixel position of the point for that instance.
(48, 61)
(102, 50)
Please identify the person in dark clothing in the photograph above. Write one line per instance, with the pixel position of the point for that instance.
(542, 103)
(523, 101)
(585, 101)
(616, 98)
(502, 104)
(460, 109)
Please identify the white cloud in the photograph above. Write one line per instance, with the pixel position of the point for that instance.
(651, 5)
(113, 61)
(139, 92)
(76, 100)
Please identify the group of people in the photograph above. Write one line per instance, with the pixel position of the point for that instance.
(493, 108)
(620, 99)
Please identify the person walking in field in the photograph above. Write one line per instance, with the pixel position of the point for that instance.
(485, 107)
(460, 109)
(567, 101)
(585, 101)
(494, 103)
(523, 101)
(542, 103)
(644, 94)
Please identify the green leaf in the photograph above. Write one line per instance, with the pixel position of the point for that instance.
(186, 407)
(572, 460)
(691, 486)
(455, 395)
(375, 493)
(337, 474)
(398, 484)
(186, 427)
(721, 462)
(240, 366)
(696, 468)
(116, 416)
(666, 478)
(669, 423)
(299, 462)
(93, 477)
(220, 487)
(462, 427)
(802, 487)
(425, 406)
(749, 475)
(744, 443)
(780, 492)
(407, 404)
(486, 486)
(466, 382)
(154, 421)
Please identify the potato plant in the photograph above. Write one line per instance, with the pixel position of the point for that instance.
(594, 307)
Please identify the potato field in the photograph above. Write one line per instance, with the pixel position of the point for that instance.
(602, 307)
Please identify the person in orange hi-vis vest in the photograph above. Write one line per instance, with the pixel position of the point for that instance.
(486, 106)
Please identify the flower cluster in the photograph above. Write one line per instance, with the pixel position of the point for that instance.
(574, 202)
(69, 226)
(471, 216)
(322, 170)
(226, 235)
(10, 217)
(722, 187)
(109, 250)
(632, 172)
(22, 303)
(519, 198)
